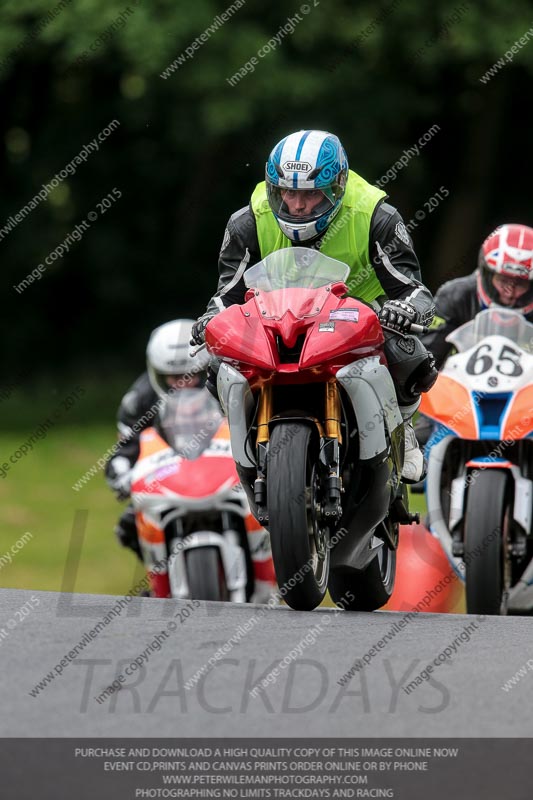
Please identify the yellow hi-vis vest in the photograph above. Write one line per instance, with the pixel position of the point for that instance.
(346, 238)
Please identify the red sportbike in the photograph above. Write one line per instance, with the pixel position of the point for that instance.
(315, 428)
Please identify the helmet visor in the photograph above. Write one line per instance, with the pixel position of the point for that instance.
(302, 205)
(505, 290)
(166, 384)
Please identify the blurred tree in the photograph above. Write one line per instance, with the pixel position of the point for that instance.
(190, 146)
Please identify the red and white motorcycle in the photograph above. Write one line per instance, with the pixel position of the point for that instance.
(197, 536)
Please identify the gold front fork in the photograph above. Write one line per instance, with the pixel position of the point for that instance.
(333, 411)
(264, 413)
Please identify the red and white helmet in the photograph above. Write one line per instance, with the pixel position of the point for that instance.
(508, 252)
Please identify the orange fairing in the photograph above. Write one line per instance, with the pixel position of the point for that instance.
(223, 431)
(451, 404)
(519, 422)
(252, 524)
(151, 442)
(148, 531)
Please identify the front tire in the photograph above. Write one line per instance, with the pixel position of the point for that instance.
(299, 541)
(486, 536)
(205, 574)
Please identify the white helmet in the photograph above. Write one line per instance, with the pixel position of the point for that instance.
(168, 354)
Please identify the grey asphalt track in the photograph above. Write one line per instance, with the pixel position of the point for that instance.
(462, 697)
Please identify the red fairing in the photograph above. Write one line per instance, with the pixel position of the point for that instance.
(160, 584)
(337, 330)
(203, 477)
(233, 334)
(349, 339)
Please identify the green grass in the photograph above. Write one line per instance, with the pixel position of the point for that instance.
(417, 502)
(37, 496)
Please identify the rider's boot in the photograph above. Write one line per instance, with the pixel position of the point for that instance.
(414, 463)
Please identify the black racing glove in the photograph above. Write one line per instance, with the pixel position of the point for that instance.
(198, 329)
(398, 315)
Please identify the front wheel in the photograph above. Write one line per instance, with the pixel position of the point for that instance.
(205, 574)
(300, 543)
(487, 560)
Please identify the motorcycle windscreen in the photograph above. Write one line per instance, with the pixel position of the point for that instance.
(494, 322)
(189, 419)
(294, 279)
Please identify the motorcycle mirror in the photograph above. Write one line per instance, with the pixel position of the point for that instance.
(338, 289)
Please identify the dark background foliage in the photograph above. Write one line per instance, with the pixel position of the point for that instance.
(190, 148)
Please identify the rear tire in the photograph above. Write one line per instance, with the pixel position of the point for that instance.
(486, 530)
(205, 574)
(293, 489)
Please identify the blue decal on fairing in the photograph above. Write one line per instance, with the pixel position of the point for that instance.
(489, 460)
(490, 411)
(437, 435)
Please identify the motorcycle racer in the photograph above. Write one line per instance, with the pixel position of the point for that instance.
(504, 277)
(310, 198)
(169, 368)
(171, 371)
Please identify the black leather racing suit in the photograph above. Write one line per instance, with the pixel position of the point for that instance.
(456, 302)
(137, 408)
(134, 410)
(137, 411)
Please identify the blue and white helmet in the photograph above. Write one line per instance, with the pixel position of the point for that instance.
(307, 161)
